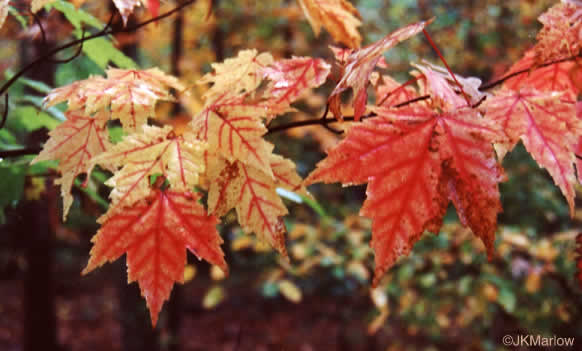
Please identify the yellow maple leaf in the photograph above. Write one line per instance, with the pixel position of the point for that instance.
(234, 129)
(253, 194)
(339, 17)
(74, 143)
(154, 151)
(237, 74)
(129, 95)
(286, 176)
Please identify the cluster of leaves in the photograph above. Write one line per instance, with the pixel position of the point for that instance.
(417, 149)
(154, 222)
(419, 157)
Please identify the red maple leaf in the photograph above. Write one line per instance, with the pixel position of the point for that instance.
(547, 125)
(561, 35)
(358, 67)
(415, 160)
(562, 76)
(291, 79)
(155, 234)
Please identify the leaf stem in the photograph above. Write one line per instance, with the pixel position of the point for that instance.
(440, 55)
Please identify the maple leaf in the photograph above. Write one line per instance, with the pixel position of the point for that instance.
(359, 65)
(561, 35)
(291, 79)
(414, 161)
(562, 76)
(234, 128)
(286, 177)
(74, 143)
(154, 151)
(155, 233)
(441, 85)
(253, 194)
(3, 11)
(237, 74)
(547, 125)
(129, 95)
(389, 92)
(339, 17)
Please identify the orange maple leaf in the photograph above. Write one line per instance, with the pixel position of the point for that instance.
(155, 234)
(339, 17)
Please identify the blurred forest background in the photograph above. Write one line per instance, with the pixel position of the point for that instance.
(445, 295)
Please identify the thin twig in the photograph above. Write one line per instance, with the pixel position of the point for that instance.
(107, 30)
(75, 55)
(5, 113)
(324, 121)
(440, 55)
(20, 152)
(502, 80)
(39, 24)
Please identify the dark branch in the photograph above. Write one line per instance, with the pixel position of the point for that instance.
(39, 24)
(75, 55)
(501, 80)
(20, 152)
(5, 114)
(324, 121)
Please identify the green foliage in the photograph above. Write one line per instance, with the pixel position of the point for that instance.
(99, 50)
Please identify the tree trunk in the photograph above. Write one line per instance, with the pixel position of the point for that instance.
(33, 226)
(40, 324)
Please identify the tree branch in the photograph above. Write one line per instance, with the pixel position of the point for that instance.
(107, 30)
(20, 152)
(324, 121)
(501, 80)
